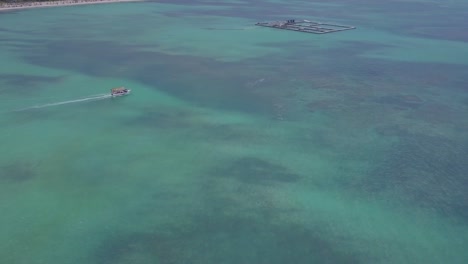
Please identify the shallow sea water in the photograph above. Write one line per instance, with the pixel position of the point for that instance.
(238, 144)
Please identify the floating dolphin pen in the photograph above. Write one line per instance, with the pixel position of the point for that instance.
(305, 26)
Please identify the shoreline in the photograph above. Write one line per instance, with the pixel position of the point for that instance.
(29, 5)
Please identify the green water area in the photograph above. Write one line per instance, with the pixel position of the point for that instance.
(238, 144)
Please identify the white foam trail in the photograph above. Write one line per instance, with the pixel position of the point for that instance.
(92, 98)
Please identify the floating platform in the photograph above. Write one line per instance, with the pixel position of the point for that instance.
(305, 26)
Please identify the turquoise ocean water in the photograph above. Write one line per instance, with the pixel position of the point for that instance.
(238, 144)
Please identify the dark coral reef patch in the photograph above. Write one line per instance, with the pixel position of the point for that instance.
(20, 83)
(401, 101)
(422, 168)
(257, 171)
(17, 171)
(223, 239)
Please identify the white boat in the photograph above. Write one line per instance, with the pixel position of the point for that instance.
(119, 91)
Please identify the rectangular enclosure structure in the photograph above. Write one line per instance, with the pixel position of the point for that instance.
(305, 26)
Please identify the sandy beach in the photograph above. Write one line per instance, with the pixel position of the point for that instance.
(15, 6)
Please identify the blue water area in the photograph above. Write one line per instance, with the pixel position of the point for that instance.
(238, 143)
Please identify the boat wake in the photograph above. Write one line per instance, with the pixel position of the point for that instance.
(90, 98)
